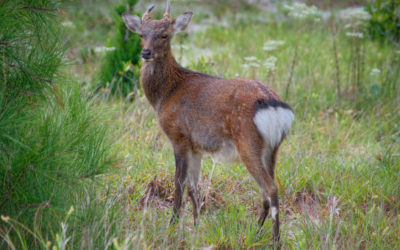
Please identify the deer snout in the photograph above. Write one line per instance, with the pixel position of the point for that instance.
(146, 53)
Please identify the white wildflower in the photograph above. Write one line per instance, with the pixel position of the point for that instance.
(250, 65)
(356, 19)
(254, 64)
(347, 26)
(272, 45)
(101, 49)
(251, 58)
(251, 62)
(355, 14)
(67, 24)
(375, 71)
(270, 63)
(302, 11)
(355, 34)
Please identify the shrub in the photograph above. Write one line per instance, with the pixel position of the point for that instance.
(119, 71)
(385, 20)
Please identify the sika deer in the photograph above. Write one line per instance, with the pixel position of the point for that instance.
(201, 114)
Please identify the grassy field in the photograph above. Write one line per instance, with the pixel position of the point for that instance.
(338, 171)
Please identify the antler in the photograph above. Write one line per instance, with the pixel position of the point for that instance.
(168, 10)
(146, 15)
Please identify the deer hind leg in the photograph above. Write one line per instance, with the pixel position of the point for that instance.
(194, 165)
(266, 206)
(269, 164)
(254, 159)
(181, 164)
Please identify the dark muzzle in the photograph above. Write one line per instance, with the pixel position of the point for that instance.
(146, 54)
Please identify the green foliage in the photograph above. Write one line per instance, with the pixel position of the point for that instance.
(51, 136)
(30, 45)
(203, 65)
(60, 143)
(385, 20)
(119, 71)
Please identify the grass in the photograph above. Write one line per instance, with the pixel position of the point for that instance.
(337, 171)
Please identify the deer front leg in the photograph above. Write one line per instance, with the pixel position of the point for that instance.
(181, 164)
(194, 165)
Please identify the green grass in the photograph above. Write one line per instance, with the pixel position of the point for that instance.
(337, 172)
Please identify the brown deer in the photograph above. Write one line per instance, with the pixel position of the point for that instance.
(230, 119)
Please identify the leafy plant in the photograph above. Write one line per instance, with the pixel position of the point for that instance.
(385, 20)
(119, 69)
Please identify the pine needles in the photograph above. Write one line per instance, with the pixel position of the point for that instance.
(51, 136)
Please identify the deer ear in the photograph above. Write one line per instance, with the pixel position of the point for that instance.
(182, 21)
(132, 22)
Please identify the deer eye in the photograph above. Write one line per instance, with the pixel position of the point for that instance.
(164, 36)
(141, 35)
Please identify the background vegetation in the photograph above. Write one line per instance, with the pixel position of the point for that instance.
(91, 169)
(116, 72)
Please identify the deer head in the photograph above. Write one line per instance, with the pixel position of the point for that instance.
(156, 34)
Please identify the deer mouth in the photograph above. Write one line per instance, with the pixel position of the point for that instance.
(147, 59)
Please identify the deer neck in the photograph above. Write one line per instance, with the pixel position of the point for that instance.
(159, 78)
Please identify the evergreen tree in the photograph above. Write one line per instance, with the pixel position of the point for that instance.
(50, 138)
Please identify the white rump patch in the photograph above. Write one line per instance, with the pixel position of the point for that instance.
(274, 123)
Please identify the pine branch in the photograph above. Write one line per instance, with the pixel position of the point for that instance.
(37, 78)
(38, 8)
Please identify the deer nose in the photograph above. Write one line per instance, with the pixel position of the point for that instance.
(146, 53)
